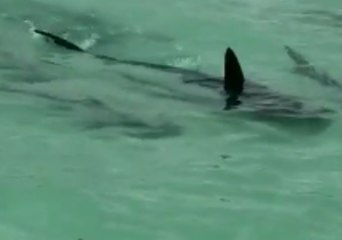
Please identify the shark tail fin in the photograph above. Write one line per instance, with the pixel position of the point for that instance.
(233, 79)
(59, 41)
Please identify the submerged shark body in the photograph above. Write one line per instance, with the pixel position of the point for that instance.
(241, 94)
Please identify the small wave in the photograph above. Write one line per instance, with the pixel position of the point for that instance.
(192, 62)
(88, 43)
(32, 27)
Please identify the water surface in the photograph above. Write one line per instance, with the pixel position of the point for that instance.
(155, 166)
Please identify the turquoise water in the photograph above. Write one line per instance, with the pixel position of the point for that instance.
(163, 168)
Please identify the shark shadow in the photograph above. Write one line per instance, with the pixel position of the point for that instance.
(97, 115)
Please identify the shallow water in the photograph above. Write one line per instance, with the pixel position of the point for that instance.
(157, 159)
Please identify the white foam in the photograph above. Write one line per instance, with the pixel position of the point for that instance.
(88, 43)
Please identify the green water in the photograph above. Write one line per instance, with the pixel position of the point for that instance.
(211, 177)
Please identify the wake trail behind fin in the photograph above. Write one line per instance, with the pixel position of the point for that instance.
(59, 41)
(233, 79)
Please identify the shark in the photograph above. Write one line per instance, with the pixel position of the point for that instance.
(240, 94)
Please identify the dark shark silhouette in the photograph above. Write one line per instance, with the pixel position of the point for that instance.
(305, 68)
(240, 93)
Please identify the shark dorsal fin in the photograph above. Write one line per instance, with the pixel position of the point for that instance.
(233, 78)
(233, 75)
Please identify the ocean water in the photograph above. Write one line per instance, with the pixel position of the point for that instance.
(163, 166)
